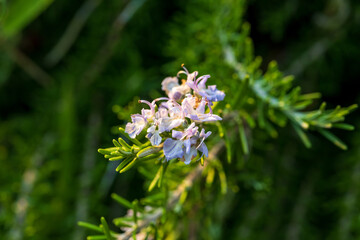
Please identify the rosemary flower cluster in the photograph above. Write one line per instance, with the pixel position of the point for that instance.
(172, 122)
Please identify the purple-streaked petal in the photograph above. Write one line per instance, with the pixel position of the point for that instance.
(202, 81)
(203, 134)
(191, 81)
(175, 95)
(191, 130)
(178, 92)
(151, 129)
(187, 144)
(212, 94)
(146, 113)
(155, 139)
(189, 156)
(175, 123)
(191, 85)
(137, 125)
(192, 76)
(201, 107)
(188, 105)
(202, 148)
(169, 83)
(173, 149)
(193, 117)
(151, 105)
(208, 117)
(207, 134)
(176, 112)
(167, 123)
(161, 113)
(177, 134)
(164, 124)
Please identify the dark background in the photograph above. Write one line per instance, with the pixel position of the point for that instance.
(56, 113)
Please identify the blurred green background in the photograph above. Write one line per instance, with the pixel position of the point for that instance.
(69, 68)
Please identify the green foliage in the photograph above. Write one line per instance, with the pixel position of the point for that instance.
(259, 181)
(130, 155)
(261, 100)
(19, 13)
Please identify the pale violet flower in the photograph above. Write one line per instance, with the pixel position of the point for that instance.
(211, 93)
(178, 92)
(154, 136)
(172, 88)
(197, 114)
(169, 83)
(148, 114)
(202, 146)
(175, 119)
(187, 105)
(157, 126)
(180, 146)
(173, 149)
(136, 126)
(188, 156)
(186, 145)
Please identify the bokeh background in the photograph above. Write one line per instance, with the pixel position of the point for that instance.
(68, 69)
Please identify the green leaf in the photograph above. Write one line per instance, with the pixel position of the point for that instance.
(228, 148)
(116, 158)
(122, 201)
(223, 183)
(210, 176)
(20, 13)
(107, 150)
(162, 173)
(90, 226)
(310, 96)
(322, 107)
(105, 228)
(124, 144)
(123, 163)
(155, 180)
(332, 138)
(116, 144)
(221, 129)
(302, 135)
(96, 237)
(147, 151)
(343, 126)
(244, 142)
(130, 165)
(121, 222)
(135, 204)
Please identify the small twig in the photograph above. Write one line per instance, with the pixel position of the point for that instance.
(106, 51)
(71, 32)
